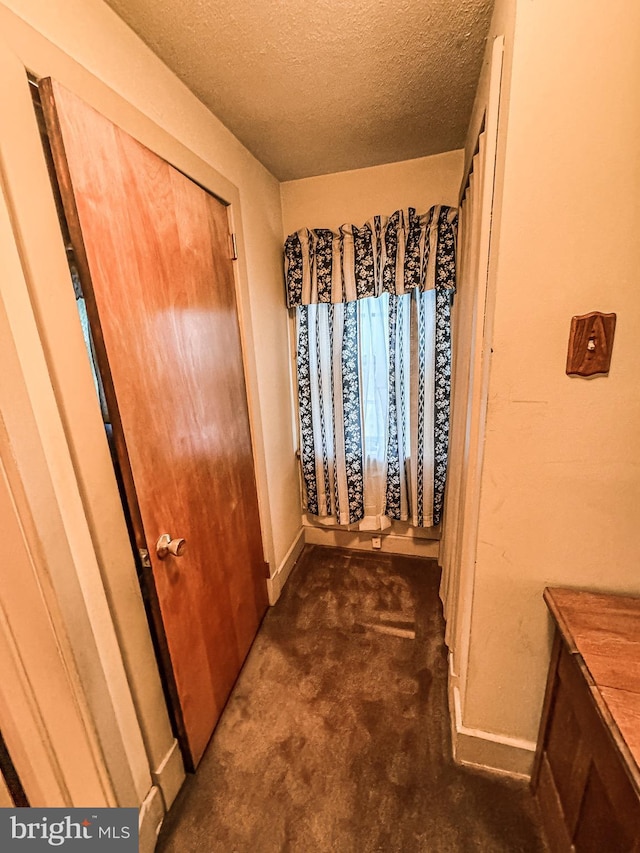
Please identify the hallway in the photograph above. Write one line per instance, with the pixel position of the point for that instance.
(336, 736)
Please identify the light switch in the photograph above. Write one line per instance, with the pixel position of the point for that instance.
(590, 343)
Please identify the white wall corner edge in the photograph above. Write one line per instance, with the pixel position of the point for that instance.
(168, 779)
(169, 775)
(275, 584)
(484, 750)
(152, 812)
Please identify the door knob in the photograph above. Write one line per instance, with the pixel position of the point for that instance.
(166, 545)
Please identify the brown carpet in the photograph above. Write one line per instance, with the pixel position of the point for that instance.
(336, 736)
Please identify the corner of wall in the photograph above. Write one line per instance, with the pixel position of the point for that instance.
(275, 584)
(151, 816)
(484, 750)
(170, 774)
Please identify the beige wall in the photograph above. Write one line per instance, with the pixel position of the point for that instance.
(86, 47)
(329, 201)
(561, 477)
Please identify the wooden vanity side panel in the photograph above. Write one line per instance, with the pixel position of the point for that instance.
(567, 750)
(550, 806)
(546, 707)
(584, 777)
(601, 825)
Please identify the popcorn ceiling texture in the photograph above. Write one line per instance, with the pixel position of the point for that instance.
(318, 87)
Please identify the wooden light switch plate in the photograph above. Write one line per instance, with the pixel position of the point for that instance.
(590, 343)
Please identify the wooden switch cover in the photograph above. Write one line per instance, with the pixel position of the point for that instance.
(590, 344)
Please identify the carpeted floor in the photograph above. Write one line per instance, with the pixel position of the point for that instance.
(336, 737)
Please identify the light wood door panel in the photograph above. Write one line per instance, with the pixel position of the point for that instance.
(153, 250)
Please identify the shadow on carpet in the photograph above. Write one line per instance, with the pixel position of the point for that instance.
(336, 736)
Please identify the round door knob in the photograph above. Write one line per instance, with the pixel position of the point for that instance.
(166, 545)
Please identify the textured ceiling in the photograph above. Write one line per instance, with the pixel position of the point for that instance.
(318, 86)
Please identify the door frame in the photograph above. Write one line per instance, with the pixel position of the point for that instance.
(460, 534)
(126, 707)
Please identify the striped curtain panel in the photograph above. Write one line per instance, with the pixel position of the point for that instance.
(374, 365)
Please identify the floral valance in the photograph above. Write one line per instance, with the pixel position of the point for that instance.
(391, 254)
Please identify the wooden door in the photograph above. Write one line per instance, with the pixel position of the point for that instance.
(153, 250)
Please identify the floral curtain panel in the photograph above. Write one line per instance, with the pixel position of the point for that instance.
(374, 365)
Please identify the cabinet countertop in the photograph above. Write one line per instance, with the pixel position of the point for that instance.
(604, 632)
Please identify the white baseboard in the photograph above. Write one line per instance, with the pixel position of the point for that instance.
(391, 543)
(487, 750)
(170, 775)
(275, 584)
(152, 814)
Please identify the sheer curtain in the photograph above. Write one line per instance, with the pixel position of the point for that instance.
(374, 370)
(373, 316)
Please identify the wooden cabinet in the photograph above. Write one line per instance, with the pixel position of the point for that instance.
(586, 776)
